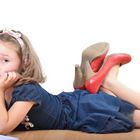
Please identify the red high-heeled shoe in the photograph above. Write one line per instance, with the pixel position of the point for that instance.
(95, 54)
(94, 83)
(97, 63)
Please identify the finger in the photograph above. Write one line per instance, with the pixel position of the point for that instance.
(12, 76)
(4, 76)
(16, 76)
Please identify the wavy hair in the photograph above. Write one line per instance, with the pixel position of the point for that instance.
(31, 70)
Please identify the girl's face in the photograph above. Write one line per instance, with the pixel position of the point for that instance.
(9, 59)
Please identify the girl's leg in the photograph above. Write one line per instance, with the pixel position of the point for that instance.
(136, 118)
(120, 89)
(114, 73)
(107, 91)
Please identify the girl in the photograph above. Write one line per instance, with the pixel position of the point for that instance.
(25, 105)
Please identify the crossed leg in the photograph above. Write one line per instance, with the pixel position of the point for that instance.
(111, 83)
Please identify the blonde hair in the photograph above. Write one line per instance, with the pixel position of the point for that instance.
(31, 70)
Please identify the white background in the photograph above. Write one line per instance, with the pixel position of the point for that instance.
(60, 29)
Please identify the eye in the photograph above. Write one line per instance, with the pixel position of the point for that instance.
(4, 60)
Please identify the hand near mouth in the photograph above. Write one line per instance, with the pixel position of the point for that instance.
(7, 80)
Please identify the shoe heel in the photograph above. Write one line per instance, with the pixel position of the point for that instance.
(78, 79)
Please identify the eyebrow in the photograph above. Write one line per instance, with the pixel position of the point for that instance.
(1, 54)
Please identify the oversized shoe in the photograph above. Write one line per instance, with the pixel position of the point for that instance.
(95, 55)
(93, 83)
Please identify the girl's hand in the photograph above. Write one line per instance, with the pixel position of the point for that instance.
(7, 80)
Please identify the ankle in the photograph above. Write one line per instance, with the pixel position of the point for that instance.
(109, 83)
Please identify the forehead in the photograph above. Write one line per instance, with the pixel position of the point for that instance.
(8, 44)
(8, 48)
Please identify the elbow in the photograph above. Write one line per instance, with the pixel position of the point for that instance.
(3, 131)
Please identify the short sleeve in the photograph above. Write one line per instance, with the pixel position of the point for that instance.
(27, 92)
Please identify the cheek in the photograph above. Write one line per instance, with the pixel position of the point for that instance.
(11, 68)
(16, 69)
(1, 74)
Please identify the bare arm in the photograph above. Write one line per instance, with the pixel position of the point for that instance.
(11, 118)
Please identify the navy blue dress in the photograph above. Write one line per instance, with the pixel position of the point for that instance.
(77, 110)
